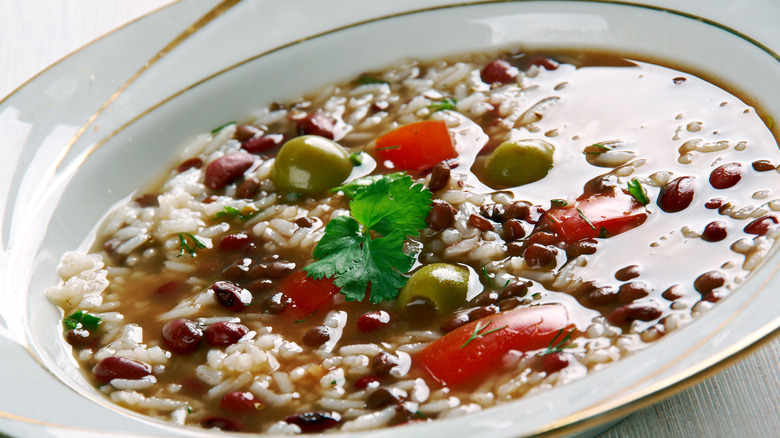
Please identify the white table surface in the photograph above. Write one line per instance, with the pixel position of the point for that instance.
(741, 400)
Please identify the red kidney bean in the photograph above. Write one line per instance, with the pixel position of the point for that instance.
(192, 163)
(182, 336)
(679, 80)
(112, 368)
(543, 61)
(441, 216)
(763, 166)
(713, 297)
(542, 238)
(227, 169)
(245, 132)
(440, 176)
(263, 143)
(383, 362)
(221, 423)
(555, 362)
(224, 333)
(714, 203)
(726, 175)
(231, 296)
(237, 270)
(514, 289)
(280, 268)
(642, 311)
(367, 382)
(708, 281)
(515, 248)
(147, 200)
(260, 285)
(677, 194)
(630, 292)
(240, 402)
(539, 256)
(380, 398)
(627, 273)
(481, 312)
(486, 298)
(513, 230)
(517, 210)
(304, 222)
(170, 288)
(603, 295)
(234, 242)
(311, 422)
(248, 189)
(454, 322)
(761, 225)
(673, 293)
(511, 303)
(498, 72)
(373, 320)
(316, 336)
(78, 337)
(275, 303)
(494, 212)
(317, 124)
(714, 231)
(582, 247)
(480, 223)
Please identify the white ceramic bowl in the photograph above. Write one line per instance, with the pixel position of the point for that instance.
(85, 134)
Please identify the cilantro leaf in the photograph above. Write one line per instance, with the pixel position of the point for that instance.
(447, 103)
(392, 205)
(358, 185)
(367, 80)
(364, 252)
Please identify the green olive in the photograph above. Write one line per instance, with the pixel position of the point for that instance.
(442, 284)
(311, 164)
(515, 163)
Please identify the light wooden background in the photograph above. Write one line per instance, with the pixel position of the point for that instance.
(740, 401)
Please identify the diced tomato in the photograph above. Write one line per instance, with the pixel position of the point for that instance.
(306, 294)
(477, 348)
(600, 215)
(416, 146)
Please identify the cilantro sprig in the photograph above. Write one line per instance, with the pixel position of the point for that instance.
(364, 251)
(231, 212)
(447, 103)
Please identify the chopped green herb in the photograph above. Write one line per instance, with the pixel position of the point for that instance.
(478, 333)
(366, 248)
(221, 127)
(333, 382)
(82, 319)
(558, 203)
(356, 158)
(487, 276)
(505, 285)
(231, 212)
(186, 247)
(636, 190)
(353, 187)
(557, 348)
(582, 215)
(537, 296)
(552, 219)
(387, 148)
(420, 414)
(769, 121)
(189, 410)
(367, 80)
(603, 233)
(447, 103)
(298, 321)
